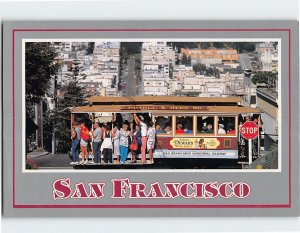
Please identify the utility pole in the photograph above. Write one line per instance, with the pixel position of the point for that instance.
(54, 120)
(247, 83)
(39, 122)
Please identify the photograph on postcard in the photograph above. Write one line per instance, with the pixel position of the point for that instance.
(151, 104)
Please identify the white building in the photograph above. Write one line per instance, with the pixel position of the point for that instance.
(156, 87)
(268, 56)
(157, 62)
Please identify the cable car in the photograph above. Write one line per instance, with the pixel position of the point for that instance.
(190, 131)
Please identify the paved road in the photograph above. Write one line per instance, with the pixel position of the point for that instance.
(53, 161)
(129, 81)
(245, 61)
(132, 89)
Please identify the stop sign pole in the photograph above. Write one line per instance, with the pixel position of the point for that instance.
(250, 150)
(249, 131)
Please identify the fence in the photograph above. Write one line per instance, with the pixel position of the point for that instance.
(266, 161)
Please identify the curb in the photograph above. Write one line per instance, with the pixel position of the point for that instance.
(31, 156)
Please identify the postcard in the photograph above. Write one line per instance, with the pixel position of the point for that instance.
(125, 118)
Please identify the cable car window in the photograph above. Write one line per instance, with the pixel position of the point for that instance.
(184, 125)
(205, 124)
(226, 125)
(163, 124)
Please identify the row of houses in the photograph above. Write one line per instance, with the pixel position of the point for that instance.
(162, 76)
(101, 68)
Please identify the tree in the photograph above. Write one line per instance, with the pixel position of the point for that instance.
(265, 77)
(73, 95)
(245, 47)
(90, 48)
(40, 67)
(185, 60)
(199, 68)
(203, 70)
(130, 48)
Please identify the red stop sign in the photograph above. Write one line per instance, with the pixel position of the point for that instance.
(249, 130)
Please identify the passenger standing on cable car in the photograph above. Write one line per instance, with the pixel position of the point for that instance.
(107, 146)
(85, 136)
(97, 135)
(136, 138)
(116, 142)
(124, 135)
(241, 142)
(151, 140)
(144, 137)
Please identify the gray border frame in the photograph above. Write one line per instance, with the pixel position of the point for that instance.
(25, 183)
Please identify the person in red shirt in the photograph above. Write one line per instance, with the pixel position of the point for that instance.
(179, 129)
(231, 131)
(85, 136)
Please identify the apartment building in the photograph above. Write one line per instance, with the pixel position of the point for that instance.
(268, 56)
(210, 56)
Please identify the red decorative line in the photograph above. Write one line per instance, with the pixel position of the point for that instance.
(154, 206)
(13, 113)
(290, 123)
(155, 30)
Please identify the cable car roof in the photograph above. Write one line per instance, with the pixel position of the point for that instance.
(166, 110)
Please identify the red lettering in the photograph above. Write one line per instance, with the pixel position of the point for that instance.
(80, 191)
(96, 190)
(184, 190)
(223, 189)
(61, 189)
(137, 190)
(199, 190)
(119, 187)
(241, 190)
(155, 191)
(172, 189)
(211, 190)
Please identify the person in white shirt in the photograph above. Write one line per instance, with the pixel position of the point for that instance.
(221, 129)
(124, 133)
(151, 140)
(116, 142)
(143, 127)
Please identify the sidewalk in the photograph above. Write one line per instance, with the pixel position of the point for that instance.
(52, 160)
(37, 154)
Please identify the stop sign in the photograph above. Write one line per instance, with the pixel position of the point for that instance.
(249, 130)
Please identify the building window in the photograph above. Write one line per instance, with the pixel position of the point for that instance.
(163, 125)
(226, 125)
(205, 124)
(184, 125)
